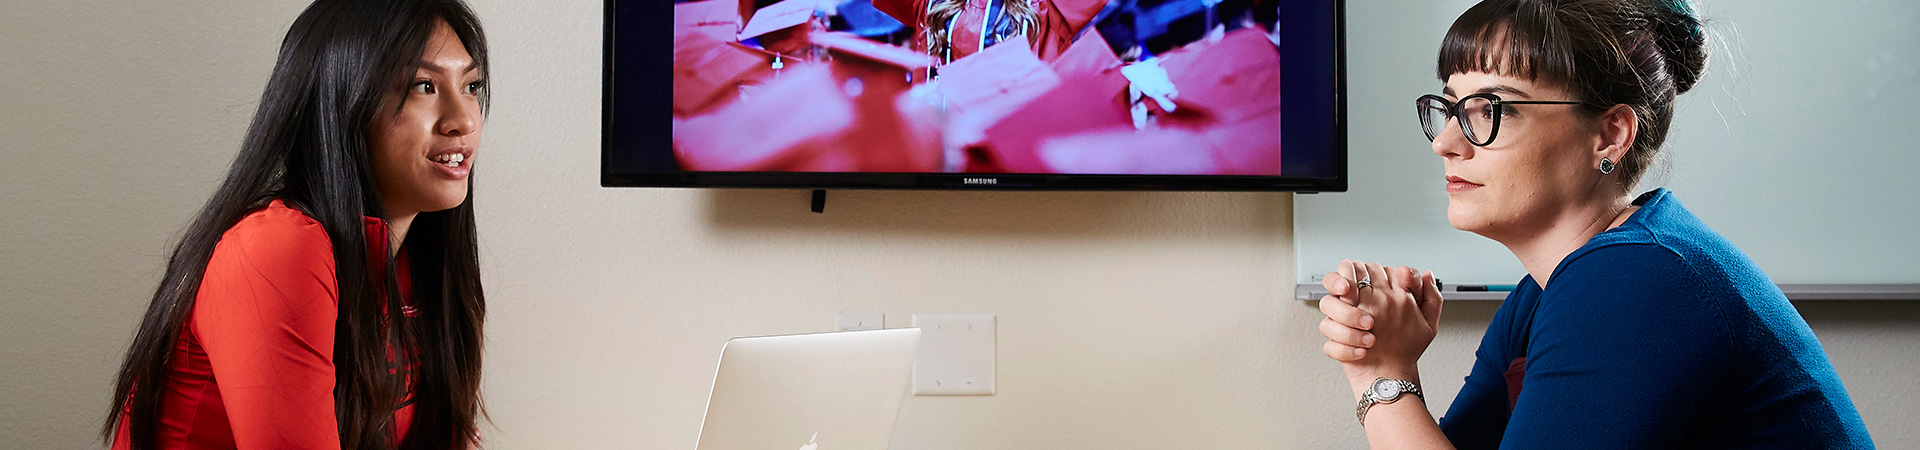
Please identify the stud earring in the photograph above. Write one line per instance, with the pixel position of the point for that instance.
(1606, 166)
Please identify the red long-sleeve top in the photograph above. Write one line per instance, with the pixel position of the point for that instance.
(253, 366)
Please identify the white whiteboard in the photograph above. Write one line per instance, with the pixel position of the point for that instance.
(1799, 145)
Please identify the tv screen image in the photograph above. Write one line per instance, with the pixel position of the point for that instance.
(1035, 94)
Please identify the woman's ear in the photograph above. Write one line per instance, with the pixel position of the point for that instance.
(1618, 127)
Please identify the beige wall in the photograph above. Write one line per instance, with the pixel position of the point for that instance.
(1127, 320)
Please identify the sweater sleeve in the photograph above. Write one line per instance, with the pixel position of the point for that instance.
(1623, 351)
(265, 315)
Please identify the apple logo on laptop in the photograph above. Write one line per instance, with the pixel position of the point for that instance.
(810, 445)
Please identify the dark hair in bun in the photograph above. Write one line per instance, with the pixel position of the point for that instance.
(1639, 53)
(1683, 41)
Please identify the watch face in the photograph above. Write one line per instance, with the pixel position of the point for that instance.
(1384, 389)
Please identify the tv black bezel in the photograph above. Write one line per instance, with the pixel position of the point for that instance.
(978, 181)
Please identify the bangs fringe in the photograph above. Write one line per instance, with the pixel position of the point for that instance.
(1515, 38)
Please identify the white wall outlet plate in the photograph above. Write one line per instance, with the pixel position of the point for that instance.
(860, 321)
(956, 354)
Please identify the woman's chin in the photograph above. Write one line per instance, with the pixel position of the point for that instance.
(1462, 217)
(449, 199)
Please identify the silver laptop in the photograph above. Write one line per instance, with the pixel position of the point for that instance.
(826, 391)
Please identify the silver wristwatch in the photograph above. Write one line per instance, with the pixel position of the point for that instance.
(1384, 390)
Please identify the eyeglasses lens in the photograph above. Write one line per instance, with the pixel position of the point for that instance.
(1433, 115)
(1477, 118)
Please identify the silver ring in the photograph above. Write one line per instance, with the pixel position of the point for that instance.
(1366, 279)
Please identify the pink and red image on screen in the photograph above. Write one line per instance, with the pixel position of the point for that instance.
(1161, 87)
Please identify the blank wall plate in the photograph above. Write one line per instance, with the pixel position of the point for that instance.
(956, 354)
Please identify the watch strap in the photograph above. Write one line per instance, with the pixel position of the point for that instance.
(1368, 399)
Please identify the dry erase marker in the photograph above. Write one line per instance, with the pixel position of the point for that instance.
(1484, 287)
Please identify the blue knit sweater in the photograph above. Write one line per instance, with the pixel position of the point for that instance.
(1655, 334)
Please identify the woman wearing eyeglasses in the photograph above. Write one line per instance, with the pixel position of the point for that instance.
(1637, 326)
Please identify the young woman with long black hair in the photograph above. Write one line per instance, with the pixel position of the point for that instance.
(328, 295)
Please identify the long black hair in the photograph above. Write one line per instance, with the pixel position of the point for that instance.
(308, 145)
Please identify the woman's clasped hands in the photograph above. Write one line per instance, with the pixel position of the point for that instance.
(1379, 320)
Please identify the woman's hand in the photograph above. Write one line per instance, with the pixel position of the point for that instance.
(1380, 329)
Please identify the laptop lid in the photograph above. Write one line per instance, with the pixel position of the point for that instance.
(824, 391)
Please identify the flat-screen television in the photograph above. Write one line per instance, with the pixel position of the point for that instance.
(1219, 95)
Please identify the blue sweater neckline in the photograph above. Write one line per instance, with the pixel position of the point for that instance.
(1637, 229)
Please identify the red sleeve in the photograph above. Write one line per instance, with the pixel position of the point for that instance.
(1077, 13)
(1060, 22)
(908, 12)
(265, 314)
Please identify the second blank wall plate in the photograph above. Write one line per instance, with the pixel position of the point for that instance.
(956, 354)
